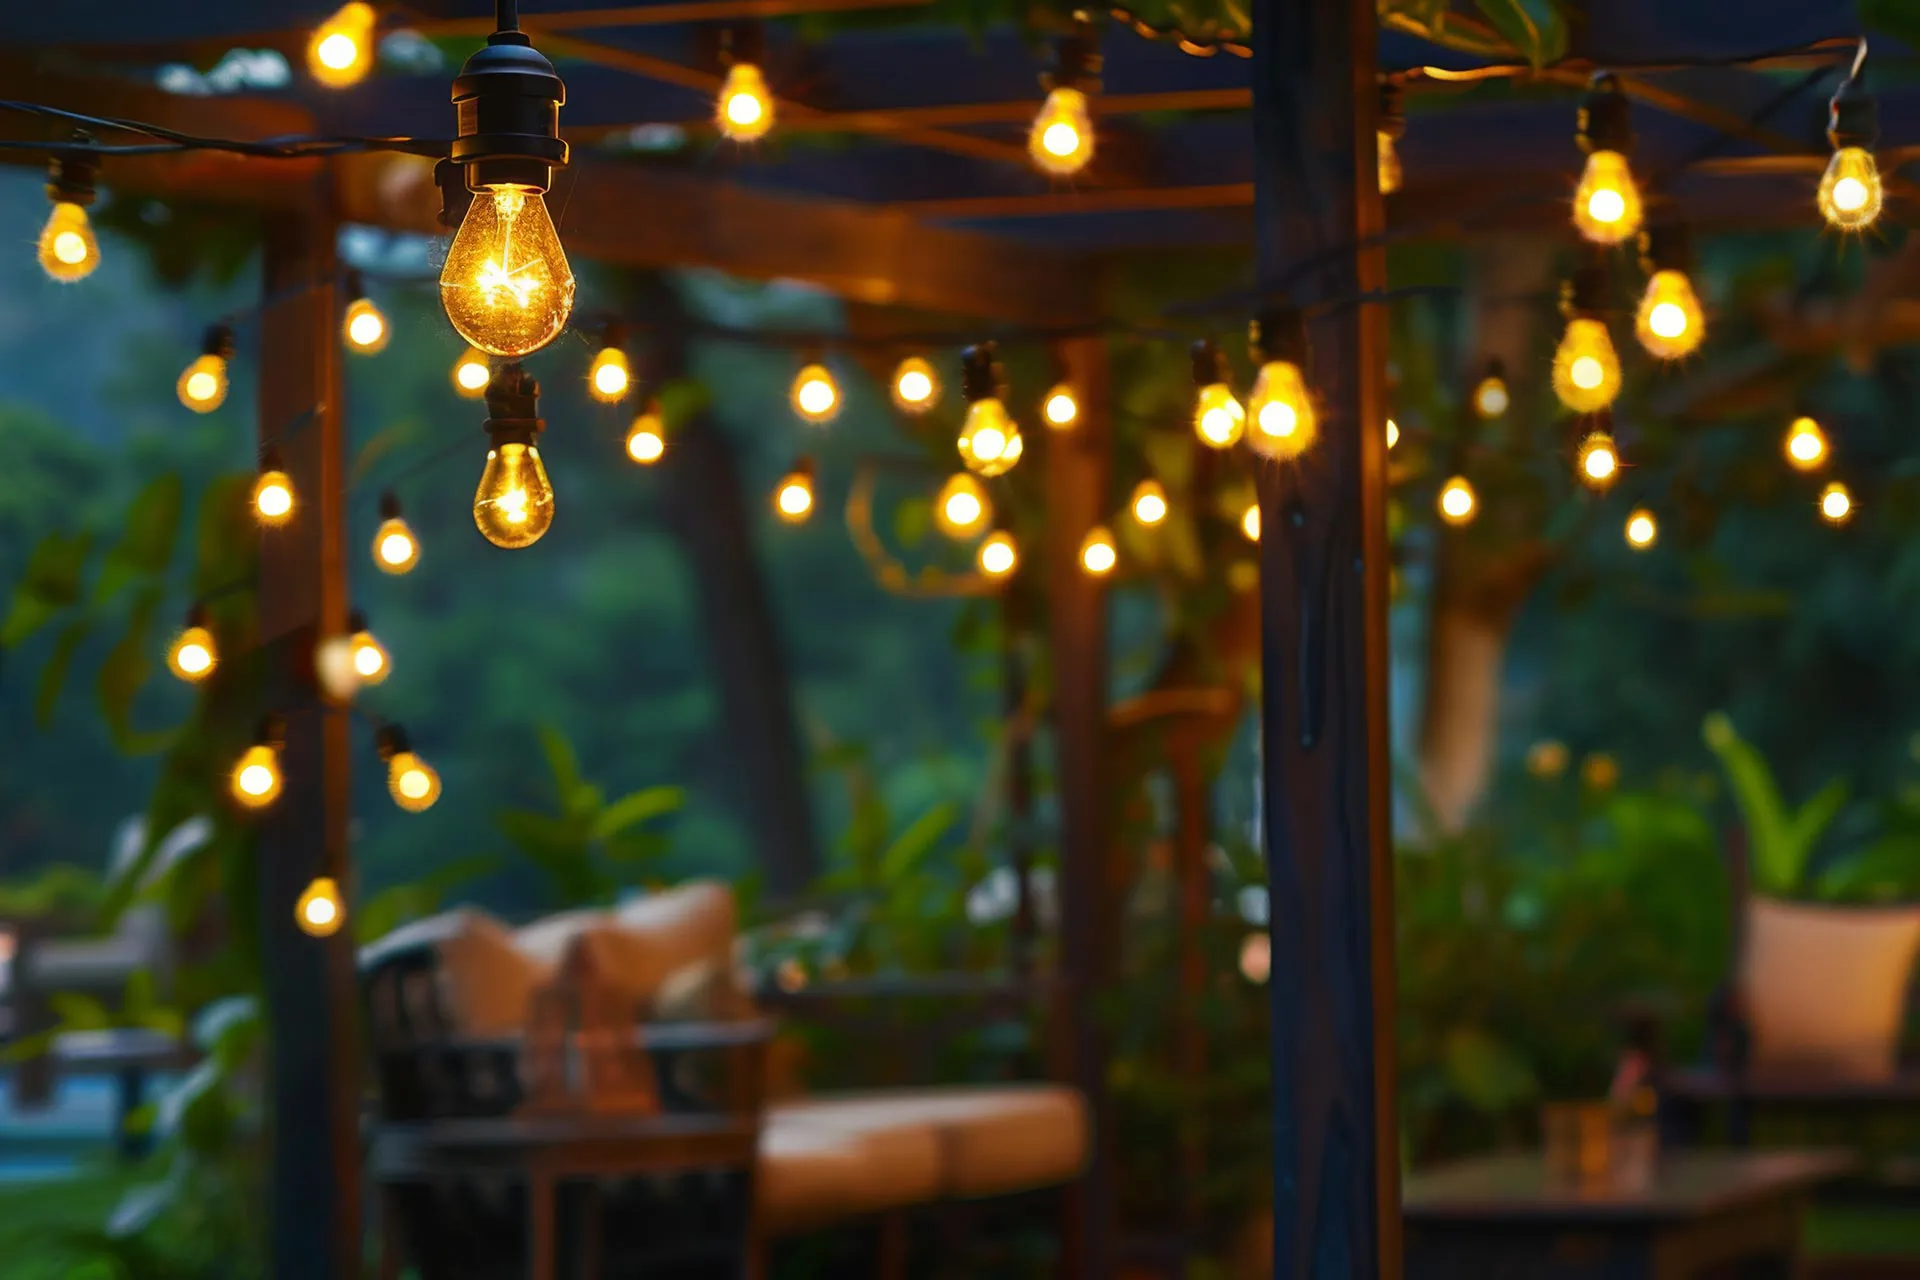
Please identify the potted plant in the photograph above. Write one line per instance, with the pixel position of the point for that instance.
(1828, 950)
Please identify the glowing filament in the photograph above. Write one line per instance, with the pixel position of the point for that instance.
(1669, 321)
(1457, 502)
(256, 777)
(1218, 417)
(365, 328)
(745, 108)
(1061, 409)
(193, 655)
(646, 439)
(1642, 530)
(338, 52)
(471, 373)
(1250, 522)
(1586, 369)
(1850, 194)
(1606, 205)
(989, 441)
(998, 556)
(412, 782)
(1598, 460)
(68, 250)
(1836, 504)
(793, 500)
(1097, 553)
(816, 396)
(1806, 444)
(273, 498)
(395, 549)
(1284, 424)
(962, 509)
(915, 388)
(319, 912)
(506, 284)
(1061, 141)
(203, 385)
(1149, 503)
(513, 505)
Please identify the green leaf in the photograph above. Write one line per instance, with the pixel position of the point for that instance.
(912, 521)
(78, 1012)
(561, 762)
(680, 400)
(227, 540)
(53, 676)
(1487, 1074)
(124, 672)
(149, 526)
(903, 856)
(640, 806)
(1537, 28)
(539, 835)
(51, 584)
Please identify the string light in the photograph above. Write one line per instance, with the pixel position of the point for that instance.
(272, 492)
(193, 654)
(339, 53)
(1061, 408)
(1393, 433)
(647, 437)
(411, 781)
(1392, 127)
(610, 375)
(744, 109)
(513, 504)
(1149, 503)
(1586, 369)
(1836, 504)
(1284, 424)
(370, 660)
(255, 781)
(395, 549)
(916, 388)
(793, 499)
(1250, 522)
(363, 327)
(1599, 460)
(471, 373)
(962, 508)
(1669, 321)
(1490, 396)
(319, 912)
(1851, 194)
(203, 384)
(68, 250)
(1806, 444)
(1457, 503)
(506, 285)
(1061, 140)
(1642, 530)
(1606, 205)
(989, 441)
(998, 555)
(1097, 552)
(1218, 417)
(815, 395)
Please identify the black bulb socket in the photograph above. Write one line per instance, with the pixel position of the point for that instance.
(1278, 333)
(217, 341)
(980, 376)
(389, 505)
(455, 199)
(1496, 369)
(197, 615)
(1209, 363)
(1583, 296)
(614, 334)
(1606, 118)
(270, 460)
(513, 406)
(1076, 59)
(390, 741)
(507, 101)
(1853, 117)
(356, 622)
(270, 731)
(1393, 110)
(70, 178)
(1666, 246)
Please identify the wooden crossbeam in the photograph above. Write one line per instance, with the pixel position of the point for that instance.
(657, 15)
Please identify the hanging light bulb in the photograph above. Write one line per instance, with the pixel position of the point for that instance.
(272, 491)
(506, 284)
(1061, 409)
(1669, 321)
(1806, 445)
(471, 373)
(793, 499)
(1457, 502)
(513, 505)
(1642, 530)
(1218, 418)
(1490, 396)
(916, 388)
(370, 660)
(193, 654)
(1149, 503)
(1097, 553)
(1250, 522)
(410, 780)
(68, 250)
(1851, 194)
(319, 912)
(1836, 504)
(647, 437)
(990, 442)
(1599, 460)
(998, 556)
(607, 380)
(1392, 127)
(1586, 369)
(1061, 140)
(1393, 433)
(962, 508)
(815, 395)
(364, 328)
(1284, 424)
(1606, 205)
(395, 549)
(203, 384)
(744, 109)
(255, 781)
(340, 51)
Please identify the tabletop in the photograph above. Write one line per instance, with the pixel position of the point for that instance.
(1708, 1084)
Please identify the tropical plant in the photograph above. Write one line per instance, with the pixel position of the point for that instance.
(1781, 841)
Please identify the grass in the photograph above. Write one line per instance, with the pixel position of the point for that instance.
(1863, 1231)
(36, 1218)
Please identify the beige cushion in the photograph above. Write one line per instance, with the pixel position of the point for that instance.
(485, 981)
(546, 940)
(693, 921)
(812, 1173)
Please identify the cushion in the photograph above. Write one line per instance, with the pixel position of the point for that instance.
(546, 940)
(693, 921)
(484, 980)
(811, 1174)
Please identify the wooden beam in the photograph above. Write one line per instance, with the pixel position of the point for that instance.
(1018, 111)
(1228, 195)
(655, 15)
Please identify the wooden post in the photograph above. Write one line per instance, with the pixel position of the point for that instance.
(313, 1104)
(1076, 487)
(1324, 591)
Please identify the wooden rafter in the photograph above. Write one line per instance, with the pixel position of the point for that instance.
(656, 15)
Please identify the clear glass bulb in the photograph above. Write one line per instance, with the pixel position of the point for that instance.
(1149, 503)
(793, 500)
(989, 440)
(203, 384)
(256, 777)
(319, 912)
(1806, 445)
(962, 508)
(1836, 504)
(1599, 460)
(193, 655)
(68, 250)
(815, 395)
(364, 328)
(646, 440)
(1284, 424)
(1586, 369)
(1490, 398)
(513, 506)
(412, 782)
(1061, 141)
(745, 108)
(1250, 522)
(1218, 417)
(1457, 501)
(1097, 553)
(273, 498)
(370, 660)
(340, 51)
(1391, 175)
(609, 376)
(506, 284)
(1642, 530)
(395, 549)
(998, 556)
(1393, 433)
(1850, 193)
(915, 388)
(471, 374)
(1061, 409)
(1669, 321)
(1606, 205)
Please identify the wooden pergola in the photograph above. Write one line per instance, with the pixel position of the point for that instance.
(1268, 143)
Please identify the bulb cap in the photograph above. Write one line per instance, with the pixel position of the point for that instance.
(390, 741)
(1583, 296)
(218, 341)
(1853, 117)
(1667, 246)
(70, 178)
(1279, 333)
(980, 377)
(1606, 117)
(1209, 363)
(1076, 60)
(1393, 111)
(389, 505)
(507, 101)
(513, 406)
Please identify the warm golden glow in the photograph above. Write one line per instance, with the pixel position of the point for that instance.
(646, 439)
(1669, 322)
(608, 377)
(1284, 424)
(1606, 205)
(506, 285)
(1393, 433)
(256, 777)
(320, 912)
(815, 395)
(1149, 503)
(340, 52)
(1642, 529)
(193, 655)
(513, 505)
(1061, 409)
(370, 661)
(365, 329)
(1219, 419)
(915, 387)
(1548, 758)
(962, 508)
(471, 373)
(1836, 504)
(1390, 173)
(793, 500)
(273, 498)
(998, 556)
(1599, 460)
(1061, 141)
(1586, 369)
(1850, 191)
(1250, 522)
(68, 250)
(989, 441)
(1806, 444)
(745, 108)
(203, 384)
(1097, 553)
(1457, 501)
(395, 549)
(1490, 398)
(412, 782)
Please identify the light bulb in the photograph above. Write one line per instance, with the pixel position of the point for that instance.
(1836, 504)
(319, 913)
(1586, 369)
(998, 556)
(1283, 419)
(412, 782)
(1850, 193)
(68, 251)
(1606, 205)
(1642, 530)
(1390, 173)
(471, 373)
(1490, 398)
(1393, 433)
(1149, 503)
(647, 439)
(273, 498)
(1250, 522)
(1060, 408)
(962, 508)
(1218, 417)
(915, 387)
(1806, 444)
(395, 549)
(255, 782)
(745, 108)
(609, 376)
(1669, 322)
(1457, 502)
(203, 385)
(793, 500)
(365, 328)
(1097, 553)
(193, 655)
(1062, 138)
(513, 506)
(989, 440)
(340, 51)
(506, 285)
(815, 395)
(1599, 461)
(370, 660)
